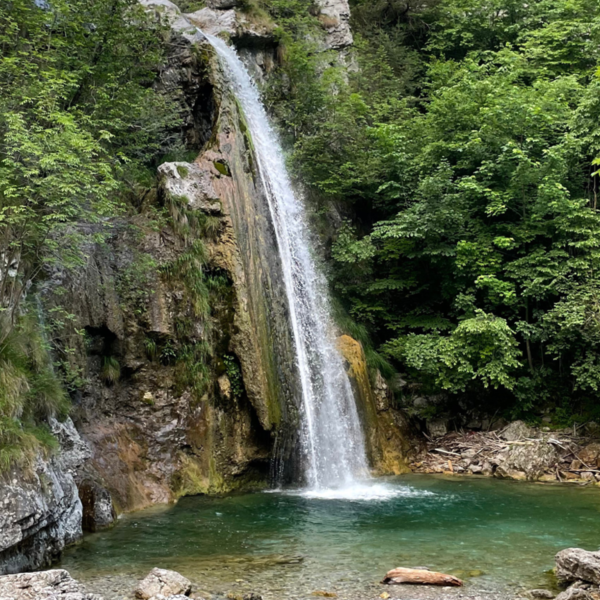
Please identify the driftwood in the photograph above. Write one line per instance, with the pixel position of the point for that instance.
(420, 576)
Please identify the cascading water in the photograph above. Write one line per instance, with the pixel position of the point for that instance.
(331, 438)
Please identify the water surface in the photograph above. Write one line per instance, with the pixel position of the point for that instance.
(498, 535)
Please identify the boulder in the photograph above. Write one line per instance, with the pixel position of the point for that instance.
(335, 17)
(191, 184)
(590, 455)
(527, 462)
(575, 564)
(56, 584)
(515, 432)
(437, 428)
(169, 13)
(162, 582)
(98, 510)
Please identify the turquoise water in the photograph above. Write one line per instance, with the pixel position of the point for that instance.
(498, 535)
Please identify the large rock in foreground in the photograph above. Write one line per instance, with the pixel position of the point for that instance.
(162, 582)
(47, 585)
(575, 564)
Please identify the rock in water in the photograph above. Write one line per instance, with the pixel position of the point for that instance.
(575, 564)
(575, 593)
(162, 582)
(56, 584)
(420, 576)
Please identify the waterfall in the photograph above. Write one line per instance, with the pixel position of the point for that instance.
(330, 437)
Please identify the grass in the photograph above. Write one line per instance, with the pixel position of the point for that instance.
(30, 393)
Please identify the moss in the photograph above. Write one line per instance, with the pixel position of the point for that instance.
(183, 171)
(30, 392)
(222, 167)
(111, 370)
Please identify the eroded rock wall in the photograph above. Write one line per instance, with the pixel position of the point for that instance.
(40, 509)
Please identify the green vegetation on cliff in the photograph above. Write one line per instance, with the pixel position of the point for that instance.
(80, 122)
(464, 149)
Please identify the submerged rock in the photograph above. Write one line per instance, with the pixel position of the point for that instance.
(162, 582)
(576, 564)
(56, 584)
(540, 594)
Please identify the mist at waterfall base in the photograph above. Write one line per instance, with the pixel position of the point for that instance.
(496, 535)
(331, 441)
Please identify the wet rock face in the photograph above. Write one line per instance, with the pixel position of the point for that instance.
(98, 511)
(56, 584)
(40, 510)
(387, 434)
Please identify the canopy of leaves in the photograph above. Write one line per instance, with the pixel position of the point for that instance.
(78, 116)
(465, 148)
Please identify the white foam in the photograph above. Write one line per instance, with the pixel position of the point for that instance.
(361, 492)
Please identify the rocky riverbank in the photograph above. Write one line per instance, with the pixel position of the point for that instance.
(515, 452)
(577, 572)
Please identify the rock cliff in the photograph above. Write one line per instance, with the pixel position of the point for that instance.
(40, 509)
(175, 333)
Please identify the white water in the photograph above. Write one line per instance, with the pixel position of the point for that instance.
(331, 438)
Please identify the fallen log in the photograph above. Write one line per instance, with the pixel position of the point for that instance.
(419, 577)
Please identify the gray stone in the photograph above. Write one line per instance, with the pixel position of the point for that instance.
(575, 593)
(56, 584)
(169, 12)
(162, 582)
(575, 564)
(40, 510)
(215, 22)
(515, 432)
(335, 16)
(437, 428)
(187, 180)
(527, 462)
(540, 594)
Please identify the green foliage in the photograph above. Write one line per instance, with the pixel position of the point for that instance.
(111, 370)
(134, 282)
(466, 148)
(192, 367)
(151, 349)
(30, 392)
(78, 117)
(234, 374)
